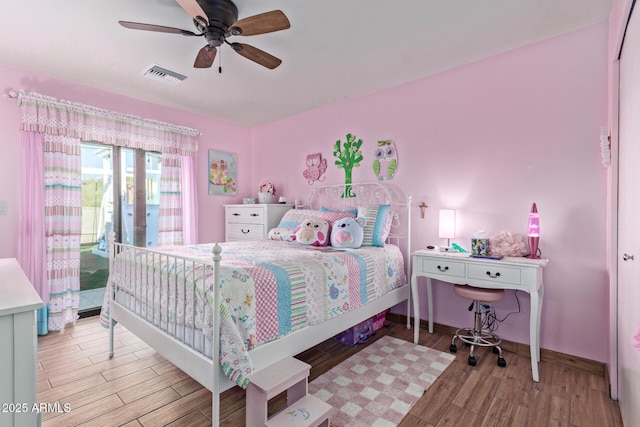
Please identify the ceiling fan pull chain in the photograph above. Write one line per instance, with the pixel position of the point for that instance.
(220, 62)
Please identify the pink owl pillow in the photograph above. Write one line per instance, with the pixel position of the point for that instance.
(313, 232)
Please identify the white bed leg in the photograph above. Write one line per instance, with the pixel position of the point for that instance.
(215, 355)
(408, 263)
(215, 415)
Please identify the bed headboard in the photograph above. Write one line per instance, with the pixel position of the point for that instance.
(368, 194)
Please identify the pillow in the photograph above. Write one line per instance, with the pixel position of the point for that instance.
(348, 232)
(386, 227)
(284, 234)
(294, 217)
(353, 212)
(313, 232)
(376, 217)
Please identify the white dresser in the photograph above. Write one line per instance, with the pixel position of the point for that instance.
(252, 222)
(18, 346)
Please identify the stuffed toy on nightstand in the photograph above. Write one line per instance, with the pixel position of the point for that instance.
(348, 232)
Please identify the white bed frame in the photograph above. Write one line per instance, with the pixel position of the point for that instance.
(191, 358)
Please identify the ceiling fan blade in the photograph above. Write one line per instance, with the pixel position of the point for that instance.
(193, 8)
(256, 55)
(267, 22)
(157, 28)
(205, 57)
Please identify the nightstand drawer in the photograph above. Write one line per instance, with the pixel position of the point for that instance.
(495, 273)
(236, 232)
(443, 266)
(244, 215)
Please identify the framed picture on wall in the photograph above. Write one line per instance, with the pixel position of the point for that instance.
(223, 173)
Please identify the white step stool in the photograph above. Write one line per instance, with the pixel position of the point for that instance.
(308, 411)
(289, 374)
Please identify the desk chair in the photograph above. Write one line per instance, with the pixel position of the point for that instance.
(477, 336)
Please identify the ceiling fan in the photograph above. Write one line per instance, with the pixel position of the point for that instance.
(218, 19)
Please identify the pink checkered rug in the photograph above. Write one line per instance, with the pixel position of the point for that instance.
(379, 385)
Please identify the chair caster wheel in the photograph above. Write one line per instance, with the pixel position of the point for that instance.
(472, 361)
(453, 348)
(501, 362)
(495, 350)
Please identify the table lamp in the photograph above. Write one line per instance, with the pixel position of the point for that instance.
(533, 232)
(447, 226)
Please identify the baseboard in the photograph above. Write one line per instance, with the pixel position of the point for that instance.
(587, 365)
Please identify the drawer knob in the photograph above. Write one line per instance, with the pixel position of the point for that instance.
(493, 275)
(235, 214)
(244, 232)
(445, 268)
(255, 214)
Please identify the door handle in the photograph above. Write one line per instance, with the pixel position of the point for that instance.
(627, 257)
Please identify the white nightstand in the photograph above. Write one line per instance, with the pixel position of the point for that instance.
(252, 222)
(508, 273)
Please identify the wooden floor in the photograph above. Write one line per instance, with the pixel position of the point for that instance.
(139, 388)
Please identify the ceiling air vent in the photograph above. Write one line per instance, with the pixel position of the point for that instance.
(157, 72)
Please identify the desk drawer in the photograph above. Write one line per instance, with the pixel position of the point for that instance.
(497, 273)
(443, 266)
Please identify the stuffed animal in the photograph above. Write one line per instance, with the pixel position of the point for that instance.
(348, 232)
(281, 233)
(313, 232)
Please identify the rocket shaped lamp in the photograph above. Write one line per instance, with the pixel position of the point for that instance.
(533, 232)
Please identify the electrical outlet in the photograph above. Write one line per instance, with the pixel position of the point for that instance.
(3, 207)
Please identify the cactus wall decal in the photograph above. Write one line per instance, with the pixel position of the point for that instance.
(348, 156)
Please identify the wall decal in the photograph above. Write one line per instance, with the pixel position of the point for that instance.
(386, 160)
(316, 166)
(223, 173)
(348, 157)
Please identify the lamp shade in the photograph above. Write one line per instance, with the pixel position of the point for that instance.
(447, 224)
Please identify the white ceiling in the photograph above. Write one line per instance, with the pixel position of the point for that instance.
(334, 50)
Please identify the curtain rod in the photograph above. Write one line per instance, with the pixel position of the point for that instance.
(13, 94)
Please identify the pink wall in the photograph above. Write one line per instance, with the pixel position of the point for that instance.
(488, 139)
(216, 134)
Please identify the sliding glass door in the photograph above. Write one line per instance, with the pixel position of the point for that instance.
(120, 192)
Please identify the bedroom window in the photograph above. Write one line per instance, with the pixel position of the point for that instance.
(121, 192)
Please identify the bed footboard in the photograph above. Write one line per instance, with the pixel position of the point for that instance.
(154, 295)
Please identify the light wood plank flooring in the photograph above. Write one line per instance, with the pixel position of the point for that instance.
(139, 388)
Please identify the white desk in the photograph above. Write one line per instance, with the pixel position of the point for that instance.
(508, 273)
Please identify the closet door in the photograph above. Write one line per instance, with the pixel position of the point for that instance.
(629, 226)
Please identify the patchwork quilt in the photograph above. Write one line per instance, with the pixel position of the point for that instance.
(268, 289)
